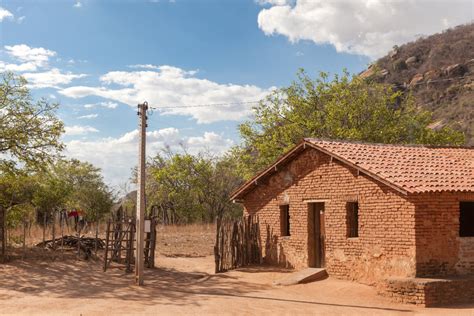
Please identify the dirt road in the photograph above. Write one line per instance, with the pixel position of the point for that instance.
(183, 286)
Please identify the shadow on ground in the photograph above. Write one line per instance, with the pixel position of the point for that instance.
(75, 279)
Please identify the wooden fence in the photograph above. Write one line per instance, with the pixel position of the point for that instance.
(238, 243)
(3, 235)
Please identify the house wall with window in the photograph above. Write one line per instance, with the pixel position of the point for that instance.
(383, 243)
(444, 234)
(398, 216)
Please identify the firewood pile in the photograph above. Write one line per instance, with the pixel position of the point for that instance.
(84, 244)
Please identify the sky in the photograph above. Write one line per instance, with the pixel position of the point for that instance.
(99, 59)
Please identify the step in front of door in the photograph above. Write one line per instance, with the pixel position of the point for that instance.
(303, 276)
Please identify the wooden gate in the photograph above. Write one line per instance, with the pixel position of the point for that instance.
(120, 243)
(238, 243)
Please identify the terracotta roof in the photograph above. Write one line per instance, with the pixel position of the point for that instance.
(412, 168)
(407, 168)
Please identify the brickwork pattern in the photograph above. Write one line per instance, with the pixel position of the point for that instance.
(386, 242)
(440, 250)
(429, 292)
(399, 235)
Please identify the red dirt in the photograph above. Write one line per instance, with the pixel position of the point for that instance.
(183, 283)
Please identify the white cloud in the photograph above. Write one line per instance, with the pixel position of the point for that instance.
(108, 105)
(211, 141)
(5, 14)
(20, 19)
(30, 58)
(29, 66)
(79, 130)
(88, 116)
(143, 66)
(117, 156)
(366, 27)
(78, 4)
(172, 86)
(22, 52)
(53, 78)
(273, 2)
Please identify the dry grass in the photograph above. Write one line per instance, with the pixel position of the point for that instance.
(195, 240)
(34, 234)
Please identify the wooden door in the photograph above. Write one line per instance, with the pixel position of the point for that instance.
(316, 235)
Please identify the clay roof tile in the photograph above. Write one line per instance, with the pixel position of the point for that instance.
(415, 168)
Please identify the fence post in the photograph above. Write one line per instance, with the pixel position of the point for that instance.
(24, 239)
(97, 223)
(54, 229)
(216, 246)
(2, 233)
(61, 224)
(106, 245)
(44, 227)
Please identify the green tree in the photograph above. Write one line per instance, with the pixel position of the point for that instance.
(87, 189)
(29, 131)
(73, 184)
(52, 191)
(343, 108)
(191, 188)
(16, 194)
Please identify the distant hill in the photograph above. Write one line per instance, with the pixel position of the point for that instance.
(439, 71)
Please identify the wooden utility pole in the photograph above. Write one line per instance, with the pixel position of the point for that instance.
(140, 221)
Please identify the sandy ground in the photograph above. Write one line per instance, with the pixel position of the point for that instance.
(183, 283)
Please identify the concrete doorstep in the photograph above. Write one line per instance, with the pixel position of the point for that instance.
(303, 276)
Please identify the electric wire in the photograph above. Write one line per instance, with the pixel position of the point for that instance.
(202, 105)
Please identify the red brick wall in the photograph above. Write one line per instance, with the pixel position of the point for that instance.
(429, 292)
(386, 243)
(440, 250)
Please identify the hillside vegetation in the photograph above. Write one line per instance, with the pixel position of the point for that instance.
(439, 71)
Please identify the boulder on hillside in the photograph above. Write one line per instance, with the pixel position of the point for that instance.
(367, 73)
(470, 65)
(399, 65)
(383, 73)
(394, 52)
(410, 61)
(455, 70)
(432, 74)
(418, 78)
(373, 71)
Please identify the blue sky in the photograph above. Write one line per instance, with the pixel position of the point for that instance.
(98, 59)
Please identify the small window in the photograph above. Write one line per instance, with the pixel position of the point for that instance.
(285, 220)
(352, 219)
(466, 219)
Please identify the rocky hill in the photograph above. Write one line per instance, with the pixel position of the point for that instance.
(439, 71)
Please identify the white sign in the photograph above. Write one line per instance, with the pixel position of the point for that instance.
(147, 226)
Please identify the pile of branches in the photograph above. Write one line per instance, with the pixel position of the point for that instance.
(84, 244)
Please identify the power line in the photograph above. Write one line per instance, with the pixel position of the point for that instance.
(258, 101)
(201, 105)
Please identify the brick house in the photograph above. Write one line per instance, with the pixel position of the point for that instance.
(400, 217)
